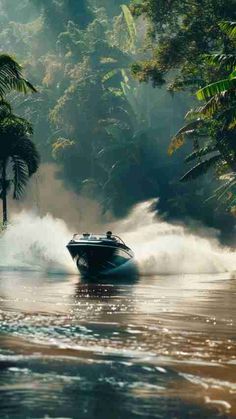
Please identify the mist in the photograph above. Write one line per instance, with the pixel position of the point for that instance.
(159, 247)
(102, 136)
(46, 193)
(141, 326)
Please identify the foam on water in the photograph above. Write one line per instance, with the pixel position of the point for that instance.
(33, 242)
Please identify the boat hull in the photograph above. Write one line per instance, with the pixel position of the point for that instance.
(98, 259)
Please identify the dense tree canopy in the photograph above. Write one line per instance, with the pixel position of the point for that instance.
(212, 127)
(108, 133)
(180, 34)
(192, 44)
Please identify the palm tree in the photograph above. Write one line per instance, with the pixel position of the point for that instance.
(17, 153)
(19, 158)
(11, 77)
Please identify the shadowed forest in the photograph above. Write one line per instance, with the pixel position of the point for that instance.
(114, 84)
(118, 209)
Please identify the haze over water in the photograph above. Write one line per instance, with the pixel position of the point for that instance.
(159, 345)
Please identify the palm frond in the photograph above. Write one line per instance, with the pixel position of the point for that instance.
(210, 148)
(215, 104)
(201, 168)
(229, 28)
(21, 176)
(220, 193)
(216, 88)
(5, 109)
(6, 59)
(26, 126)
(21, 85)
(130, 23)
(230, 117)
(26, 150)
(11, 76)
(228, 61)
(232, 75)
(179, 139)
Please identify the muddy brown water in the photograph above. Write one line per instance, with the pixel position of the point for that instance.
(151, 347)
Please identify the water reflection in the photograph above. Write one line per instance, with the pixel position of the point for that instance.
(151, 347)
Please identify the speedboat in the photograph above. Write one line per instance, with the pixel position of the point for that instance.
(98, 254)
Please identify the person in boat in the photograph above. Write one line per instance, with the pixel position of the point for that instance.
(109, 235)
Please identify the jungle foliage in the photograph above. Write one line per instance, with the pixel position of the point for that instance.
(212, 128)
(180, 34)
(192, 44)
(108, 133)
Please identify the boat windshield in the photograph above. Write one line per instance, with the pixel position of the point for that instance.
(96, 237)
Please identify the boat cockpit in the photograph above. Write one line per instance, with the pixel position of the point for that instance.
(90, 237)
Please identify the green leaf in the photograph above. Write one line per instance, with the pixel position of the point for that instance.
(232, 75)
(130, 24)
(110, 74)
(229, 28)
(201, 168)
(227, 61)
(216, 88)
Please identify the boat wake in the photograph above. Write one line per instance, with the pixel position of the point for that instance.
(164, 248)
(39, 244)
(34, 243)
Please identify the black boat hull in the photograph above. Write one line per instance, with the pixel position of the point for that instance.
(95, 259)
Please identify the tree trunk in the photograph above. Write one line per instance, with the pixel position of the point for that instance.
(4, 193)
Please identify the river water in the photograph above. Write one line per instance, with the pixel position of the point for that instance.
(151, 347)
(161, 344)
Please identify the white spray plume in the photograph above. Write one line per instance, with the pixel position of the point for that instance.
(36, 243)
(160, 248)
